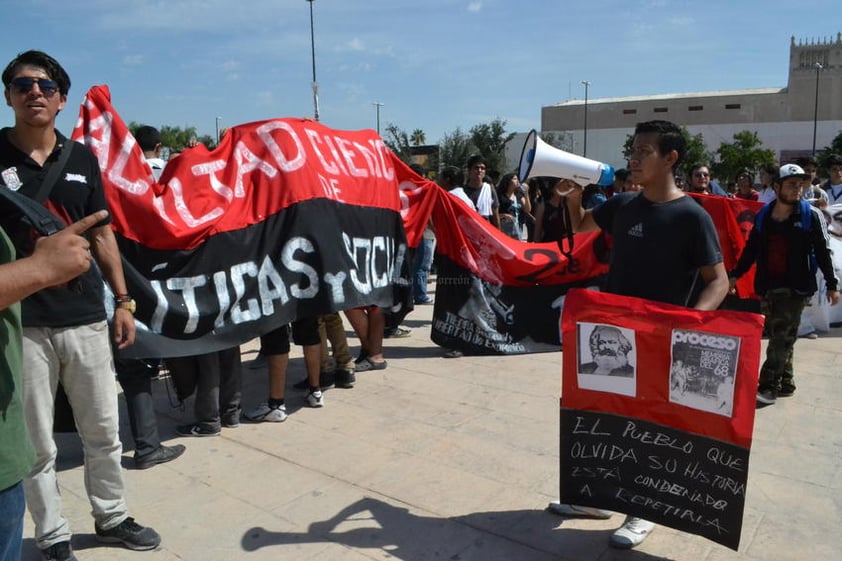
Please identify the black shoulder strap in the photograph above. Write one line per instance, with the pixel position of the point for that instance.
(34, 213)
(55, 170)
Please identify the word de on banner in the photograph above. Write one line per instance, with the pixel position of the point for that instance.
(657, 411)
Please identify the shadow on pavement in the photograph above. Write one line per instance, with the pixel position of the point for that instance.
(374, 524)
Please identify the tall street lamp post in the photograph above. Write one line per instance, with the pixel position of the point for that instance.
(819, 68)
(586, 83)
(313, 56)
(217, 130)
(377, 106)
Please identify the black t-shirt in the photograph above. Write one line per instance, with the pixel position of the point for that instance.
(658, 247)
(553, 222)
(76, 193)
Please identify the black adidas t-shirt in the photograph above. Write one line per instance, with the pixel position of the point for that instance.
(657, 247)
(77, 193)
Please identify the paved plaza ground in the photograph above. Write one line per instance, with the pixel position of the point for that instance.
(447, 460)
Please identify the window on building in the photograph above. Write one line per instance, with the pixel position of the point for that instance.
(695, 108)
(660, 110)
(732, 106)
(629, 111)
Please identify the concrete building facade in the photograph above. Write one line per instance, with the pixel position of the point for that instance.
(782, 117)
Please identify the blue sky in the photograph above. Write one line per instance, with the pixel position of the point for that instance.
(435, 65)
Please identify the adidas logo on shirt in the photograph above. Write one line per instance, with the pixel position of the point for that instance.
(636, 230)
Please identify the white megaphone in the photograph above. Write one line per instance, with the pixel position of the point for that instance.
(539, 159)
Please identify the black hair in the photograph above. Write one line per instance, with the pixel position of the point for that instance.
(621, 174)
(474, 160)
(453, 175)
(419, 169)
(40, 60)
(147, 137)
(670, 138)
(802, 161)
(503, 184)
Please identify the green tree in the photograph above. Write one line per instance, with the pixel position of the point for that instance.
(398, 142)
(746, 152)
(455, 149)
(490, 141)
(834, 148)
(177, 138)
(418, 137)
(208, 141)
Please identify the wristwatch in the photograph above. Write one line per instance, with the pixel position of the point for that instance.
(125, 302)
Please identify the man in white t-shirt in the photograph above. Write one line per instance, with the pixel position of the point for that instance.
(479, 194)
(149, 140)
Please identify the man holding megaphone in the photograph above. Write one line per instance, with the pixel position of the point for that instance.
(665, 249)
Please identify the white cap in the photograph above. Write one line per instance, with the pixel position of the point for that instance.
(792, 170)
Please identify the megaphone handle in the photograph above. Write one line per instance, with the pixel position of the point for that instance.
(567, 229)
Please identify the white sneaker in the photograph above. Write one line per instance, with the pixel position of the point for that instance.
(315, 398)
(633, 531)
(578, 511)
(263, 413)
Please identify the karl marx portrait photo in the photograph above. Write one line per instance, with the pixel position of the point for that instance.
(610, 350)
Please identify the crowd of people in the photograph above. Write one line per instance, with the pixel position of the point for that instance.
(61, 337)
(664, 243)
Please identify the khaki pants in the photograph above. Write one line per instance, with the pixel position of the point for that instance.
(81, 358)
(332, 329)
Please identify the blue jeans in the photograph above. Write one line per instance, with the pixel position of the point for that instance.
(421, 268)
(12, 507)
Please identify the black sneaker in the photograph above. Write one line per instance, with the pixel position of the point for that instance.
(60, 551)
(130, 534)
(231, 419)
(197, 429)
(786, 391)
(345, 379)
(161, 455)
(766, 397)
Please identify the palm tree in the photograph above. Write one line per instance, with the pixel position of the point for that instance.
(418, 137)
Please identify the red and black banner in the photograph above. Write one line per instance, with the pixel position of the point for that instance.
(287, 218)
(657, 411)
(498, 295)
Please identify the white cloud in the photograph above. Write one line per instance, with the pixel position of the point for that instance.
(474, 6)
(682, 21)
(265, 99)
(133, 60)
(355, 44)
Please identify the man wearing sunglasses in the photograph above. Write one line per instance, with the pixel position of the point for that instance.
(701, 182)
(65, 334)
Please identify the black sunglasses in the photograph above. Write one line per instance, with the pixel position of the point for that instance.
(24, 85)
